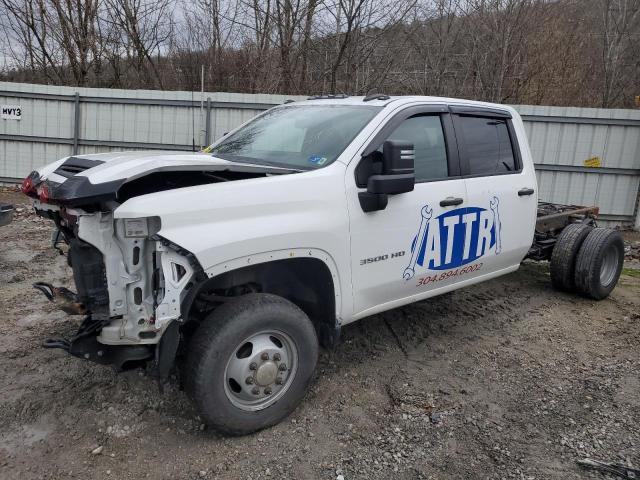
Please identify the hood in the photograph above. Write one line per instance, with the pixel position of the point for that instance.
(91, 180)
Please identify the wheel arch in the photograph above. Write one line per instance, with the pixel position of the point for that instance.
(306, 277)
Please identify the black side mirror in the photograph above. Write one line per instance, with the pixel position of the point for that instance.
(398, 176)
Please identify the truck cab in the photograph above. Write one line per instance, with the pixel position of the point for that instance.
(239, 260)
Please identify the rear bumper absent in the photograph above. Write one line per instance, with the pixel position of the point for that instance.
(6, 214)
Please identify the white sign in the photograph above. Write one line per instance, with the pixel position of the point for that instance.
(11, 112)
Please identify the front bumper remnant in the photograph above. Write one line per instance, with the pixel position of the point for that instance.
(85, 345)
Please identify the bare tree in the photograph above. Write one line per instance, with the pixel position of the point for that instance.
(28, 38)
(145, 26)
(74, 28)
(620, 18)
(564, 52)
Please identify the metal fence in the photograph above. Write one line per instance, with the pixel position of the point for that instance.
(583, 156)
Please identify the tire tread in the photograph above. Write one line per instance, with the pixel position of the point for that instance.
(587, 269)
(563, 256)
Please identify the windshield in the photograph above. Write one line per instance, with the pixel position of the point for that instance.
(301, 137)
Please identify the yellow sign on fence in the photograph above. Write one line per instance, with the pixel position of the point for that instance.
(593, 162)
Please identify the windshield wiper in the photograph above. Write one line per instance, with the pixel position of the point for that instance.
(260, 162)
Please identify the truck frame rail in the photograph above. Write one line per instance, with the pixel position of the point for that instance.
(552, 219)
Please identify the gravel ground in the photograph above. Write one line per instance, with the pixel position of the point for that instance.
(507, 379)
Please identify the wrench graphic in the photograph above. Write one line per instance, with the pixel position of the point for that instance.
(496, 223)
(426, 213)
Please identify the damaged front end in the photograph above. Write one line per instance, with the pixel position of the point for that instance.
(130, 281)
(130, 284)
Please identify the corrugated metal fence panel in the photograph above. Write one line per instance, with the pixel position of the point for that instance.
(562, 139)
(112, 120)
(17, 159)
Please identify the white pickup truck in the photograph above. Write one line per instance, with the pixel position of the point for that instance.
(241, 259)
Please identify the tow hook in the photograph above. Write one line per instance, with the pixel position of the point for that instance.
(65, 299)
(84, 344)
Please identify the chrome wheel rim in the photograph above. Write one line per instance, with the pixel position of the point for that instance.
(609, 266)
(260, 370)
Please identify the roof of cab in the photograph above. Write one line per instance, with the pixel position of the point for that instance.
(398, 101)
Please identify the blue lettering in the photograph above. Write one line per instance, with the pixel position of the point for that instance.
(455, 238)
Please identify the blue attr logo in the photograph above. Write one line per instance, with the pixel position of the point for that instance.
(455, 238)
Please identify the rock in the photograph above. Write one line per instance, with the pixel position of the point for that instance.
(97, 450)
(340, 477)
(435, 418)
(203, 473)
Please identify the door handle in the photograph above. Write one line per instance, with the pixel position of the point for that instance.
(450, 201)
(525, 191)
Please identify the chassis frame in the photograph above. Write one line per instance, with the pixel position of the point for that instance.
(552, 219)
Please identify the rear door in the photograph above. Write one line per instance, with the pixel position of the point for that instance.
(502, 201)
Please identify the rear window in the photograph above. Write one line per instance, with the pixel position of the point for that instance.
(487, 145)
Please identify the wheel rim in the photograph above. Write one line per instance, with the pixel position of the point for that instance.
(260, 370)
(609, 266)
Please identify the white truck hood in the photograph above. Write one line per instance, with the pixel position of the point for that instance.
(107, 167)
(96, 178)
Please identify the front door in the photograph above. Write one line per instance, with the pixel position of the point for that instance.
(410, 247)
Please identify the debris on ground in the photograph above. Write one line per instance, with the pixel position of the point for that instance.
(505, 379)
(617, 469)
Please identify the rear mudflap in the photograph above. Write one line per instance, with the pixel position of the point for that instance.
(84, 344)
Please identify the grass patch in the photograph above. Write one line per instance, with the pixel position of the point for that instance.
(632, 272)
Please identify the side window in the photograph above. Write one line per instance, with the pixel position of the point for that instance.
(487, 145)
(425, 132)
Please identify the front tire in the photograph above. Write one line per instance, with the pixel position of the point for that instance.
(250, 362)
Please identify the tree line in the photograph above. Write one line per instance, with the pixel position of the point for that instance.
(560, 52)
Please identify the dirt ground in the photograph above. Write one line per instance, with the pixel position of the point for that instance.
(507, 379)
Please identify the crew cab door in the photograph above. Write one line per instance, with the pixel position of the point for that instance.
(501, 188)
(392, 249)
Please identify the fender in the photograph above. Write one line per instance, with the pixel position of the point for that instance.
(266, 257)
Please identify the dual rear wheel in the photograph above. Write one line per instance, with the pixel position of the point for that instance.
(587, 260)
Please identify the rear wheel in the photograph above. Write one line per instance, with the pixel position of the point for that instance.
(563, 257)
(250, 362)
(599, 263)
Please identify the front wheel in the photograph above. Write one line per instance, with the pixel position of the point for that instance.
(250, 362)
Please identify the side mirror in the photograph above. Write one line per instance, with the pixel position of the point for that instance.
(398, 158)
(398, 176)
